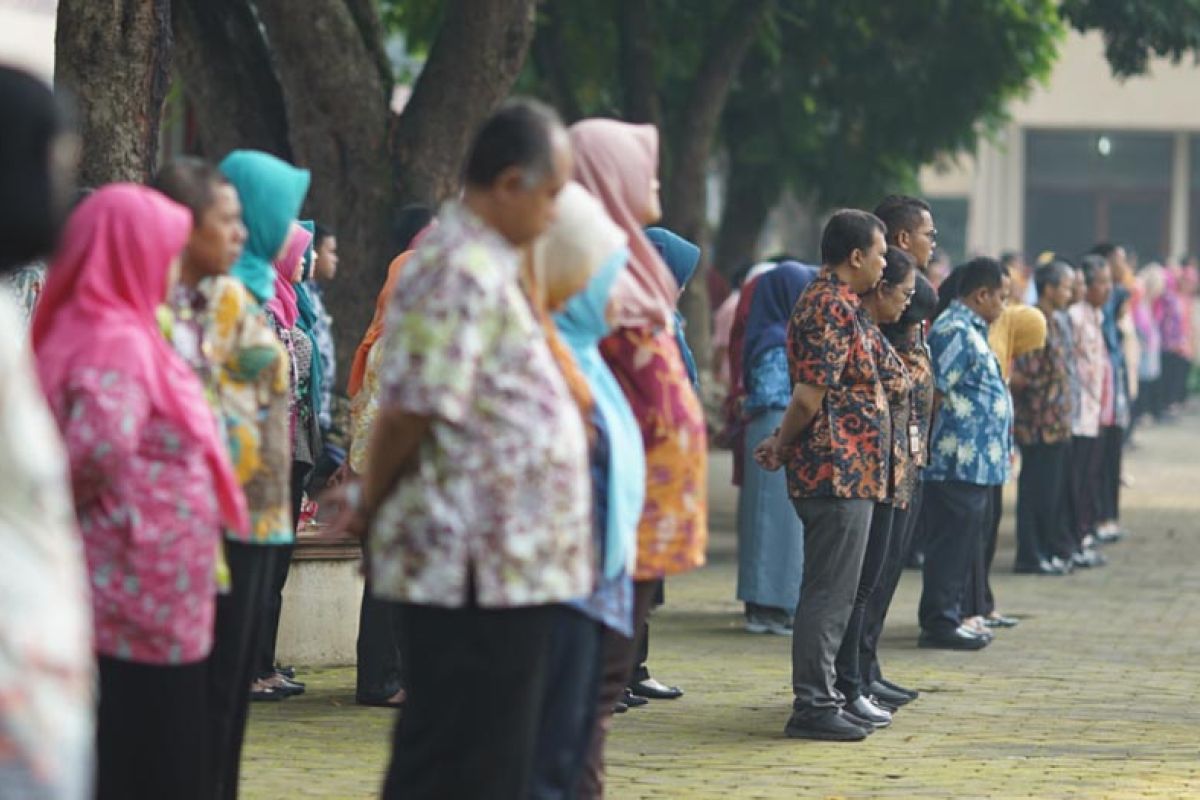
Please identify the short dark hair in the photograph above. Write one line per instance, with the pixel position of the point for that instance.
(409, 221)
(1052, 274)
(848, 230)
(1104, 249)
(321, 233)
(30, 218)
(1090, 265)
(901, 212)
(517, 135)
(981, 273)
(190, 181)
(898, 265)
(1010, 257)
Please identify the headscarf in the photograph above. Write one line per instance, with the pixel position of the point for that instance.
(775, 297)
(99, 310)
(617, 162)
(682, 257)
(358, 369)
(308, 321)
(283, 303)
(582, 324)
(271, 191)
(1020, 329)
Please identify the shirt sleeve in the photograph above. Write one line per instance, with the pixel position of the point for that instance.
(951, 352)
(103, 416)
(435, 337)
(819, 341)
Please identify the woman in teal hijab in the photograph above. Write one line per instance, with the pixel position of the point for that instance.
(682, 258)
(309, 318)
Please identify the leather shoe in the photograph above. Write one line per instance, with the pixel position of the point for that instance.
(1043, 567)
(1088, 558)
(1001, 621)
(864, 712)
(888, 707)
(889, 695)
(958, 639)
(653, 690)
(913, 694)
(632, 700)
(619, 707)
(829, 726)
(1110, 537)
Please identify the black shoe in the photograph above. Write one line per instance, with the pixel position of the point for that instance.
(1088, 559)
(863, 712)
(958, 639)
(631, 700)
(886, 706)
(619, 707)
(1001, 621)
(653, 690)
(287, 672)
(913, 694)
(290, 688)
(829, 726)
(1043, 567)
(889, 695)
(1110, 537)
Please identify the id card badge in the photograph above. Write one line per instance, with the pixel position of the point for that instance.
(915, 448)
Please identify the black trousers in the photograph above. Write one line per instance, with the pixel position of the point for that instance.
(1175, 369)
(904, 522)
(278, 579)
(568, 705)
(835, 542)
(641, 669)
(151, 740)
(1108, 496)
(378, 675)
(851, 678)
(617, 656)
(978, 599)
(1086, 458)
(956, 514)
(476, 682)
(1041, 493)
(237, 630)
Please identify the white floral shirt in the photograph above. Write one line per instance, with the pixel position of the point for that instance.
(501, 495)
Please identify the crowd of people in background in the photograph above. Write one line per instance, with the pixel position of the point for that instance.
(527, 452)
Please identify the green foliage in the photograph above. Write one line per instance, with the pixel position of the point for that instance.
(1134, 30)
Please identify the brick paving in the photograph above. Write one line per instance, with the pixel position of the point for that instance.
(1093, 696)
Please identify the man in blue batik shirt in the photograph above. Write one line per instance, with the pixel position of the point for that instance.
(969, 453)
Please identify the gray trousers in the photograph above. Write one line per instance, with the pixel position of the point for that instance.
(835, 540)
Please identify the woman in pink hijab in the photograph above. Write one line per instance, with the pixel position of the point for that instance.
(152, 484)
(618, 163)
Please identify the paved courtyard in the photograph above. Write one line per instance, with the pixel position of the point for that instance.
(1095, 695)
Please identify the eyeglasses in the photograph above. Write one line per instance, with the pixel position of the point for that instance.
(907, 294)
(931, 234)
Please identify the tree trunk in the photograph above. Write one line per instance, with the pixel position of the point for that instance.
(552, 63)
(474, 61)
(115, 58)
(692, 134)
(229, 78)
(639, 79)
(337, 93)
(750, 194)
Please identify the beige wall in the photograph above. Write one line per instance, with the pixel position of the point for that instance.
(1081, 93)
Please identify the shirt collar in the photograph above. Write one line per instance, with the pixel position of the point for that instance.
(968, 314)
(841, 287)
(462, 222)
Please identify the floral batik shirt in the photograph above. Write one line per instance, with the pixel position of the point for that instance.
(972, 435)
(1041, 390)
(252, 389)
(909, 344)
(364, 408)
(47, 675)
(323, 337)
(500, 496)
(1093, 367)
(147, 510)
(844, 452)
(897, 386)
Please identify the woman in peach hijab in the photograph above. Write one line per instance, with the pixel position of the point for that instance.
(618, 163)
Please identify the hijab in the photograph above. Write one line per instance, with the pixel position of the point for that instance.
(775, 296)
(309, 318)
(271, 191)
(283, 303)
(617, 162)
(681, 257)
(98, 310)
(358, 369)
(582, 323)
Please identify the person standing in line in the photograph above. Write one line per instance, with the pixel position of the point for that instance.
(884, 304)
(1041, 390)
(47, 665)
(469, 387)
(1096, 384)
(252, 392)
(835, 444)
(152, 484)
(907, 336)
(969, 450)
(618, 163)
(324, 270)
(770, 535)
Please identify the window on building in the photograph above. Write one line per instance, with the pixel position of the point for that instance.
(1083, 187)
